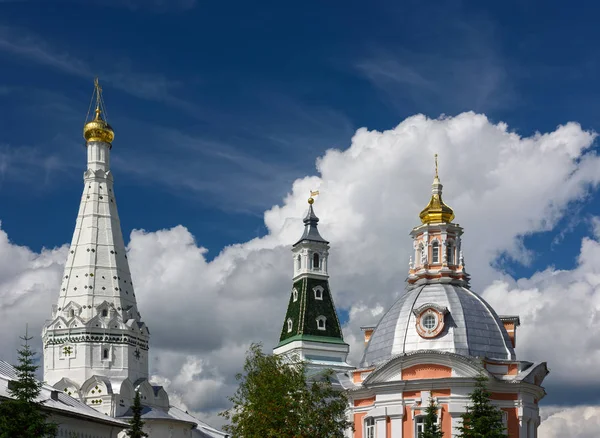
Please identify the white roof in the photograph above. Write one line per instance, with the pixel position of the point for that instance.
(64, 404)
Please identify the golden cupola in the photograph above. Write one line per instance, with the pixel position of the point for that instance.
(98, 128)
(436, 211)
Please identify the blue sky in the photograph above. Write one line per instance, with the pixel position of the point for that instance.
(219, 106)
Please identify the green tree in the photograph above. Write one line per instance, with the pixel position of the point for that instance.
(276, 400)
(431, 428)
(22, 415)
(482, 419)
(136, 425)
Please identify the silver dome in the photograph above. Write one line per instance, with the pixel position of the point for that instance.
(471, 327)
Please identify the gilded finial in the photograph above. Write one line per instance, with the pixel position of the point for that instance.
(98, 129)
(311, 200)
(436, 211)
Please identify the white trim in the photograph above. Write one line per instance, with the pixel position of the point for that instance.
(294, 295)
(290, 324)
(318, 290)
(322, 319)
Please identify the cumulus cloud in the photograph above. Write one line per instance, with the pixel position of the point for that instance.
(560, 315)
(203, 315)
(577, 422)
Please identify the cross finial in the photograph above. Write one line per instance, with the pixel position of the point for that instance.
(436, 165)
(98, 97)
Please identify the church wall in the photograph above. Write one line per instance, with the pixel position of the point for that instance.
(75, 428)
(359, 420)
(164, 429)
(426, 371)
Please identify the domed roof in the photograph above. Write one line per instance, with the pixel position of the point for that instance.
(467, 325)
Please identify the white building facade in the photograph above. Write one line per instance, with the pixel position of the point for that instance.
(96, 343)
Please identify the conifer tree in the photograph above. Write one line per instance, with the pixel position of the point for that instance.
(431, 428)
(22, 415)
(482, 419)
(136, 425)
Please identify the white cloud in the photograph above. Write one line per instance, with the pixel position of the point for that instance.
(575, 422)
(560, 316)
(202, 315)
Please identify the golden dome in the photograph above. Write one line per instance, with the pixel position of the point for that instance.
(98, 129)
(436, 211)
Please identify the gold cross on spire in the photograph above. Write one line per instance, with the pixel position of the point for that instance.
(98, 97)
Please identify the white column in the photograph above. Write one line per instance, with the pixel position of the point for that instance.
(380, 431)
(396, 422)
(523, 427)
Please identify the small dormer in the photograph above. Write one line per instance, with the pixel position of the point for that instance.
(71, 310)
(511, 322)
(367, 331)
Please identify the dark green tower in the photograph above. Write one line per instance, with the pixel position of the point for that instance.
(311, 328)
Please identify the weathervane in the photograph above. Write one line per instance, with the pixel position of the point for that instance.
(312, 193)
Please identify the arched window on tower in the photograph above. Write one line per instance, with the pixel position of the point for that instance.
(450, 253)
(315, 261)
(298, 262)
(318, 292)
(435, 252)
(294, 295)
(105, 353)
(321, 322)
(104, 312)
(289, 325)
(71, 313)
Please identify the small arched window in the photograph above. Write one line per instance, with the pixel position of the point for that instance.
(298, 262)
(450, 253)
(295, 295)
(318, 293)
(321, 322)
(105, 312)
(370, 427)
(71, 313)
(316, 260)
(289, 325)
(435, 252)
(105, 353)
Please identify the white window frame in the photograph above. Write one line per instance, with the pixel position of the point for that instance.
(370, 431)
(435, 258)
(290, 325)
(417, 423)
(312, 261)
(450, 253)
(294, 295)
(318, 292)
(321, 319)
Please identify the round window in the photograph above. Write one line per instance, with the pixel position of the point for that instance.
(429, 321)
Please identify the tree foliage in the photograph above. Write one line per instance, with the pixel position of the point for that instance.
(136, 425)
(431, 427)
(22, 415)
(482, 419)
(275, 400)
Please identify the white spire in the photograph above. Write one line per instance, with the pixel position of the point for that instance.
(96, 328)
